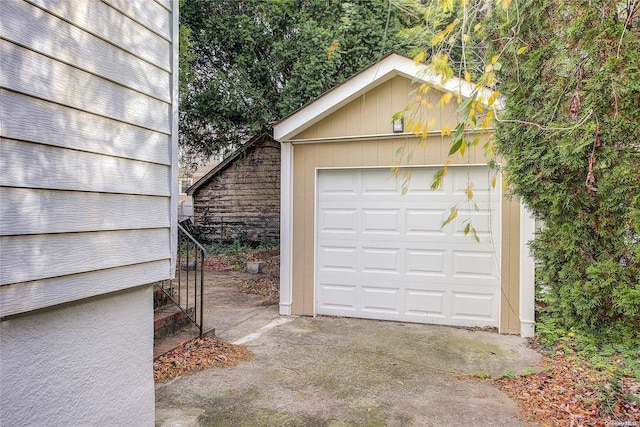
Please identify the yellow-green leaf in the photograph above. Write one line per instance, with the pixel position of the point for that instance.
(445, 99)
(437, 39)
(447, 5)
(451, 26)
(453, 215)
(521, 50)
(487, 120)
(493, 98)
(334, 46)
(467, 76)
(491, 77)
(494, 59)
(419, 57)
(493, 182)
(468, 191)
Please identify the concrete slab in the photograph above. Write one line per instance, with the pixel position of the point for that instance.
(329, 371)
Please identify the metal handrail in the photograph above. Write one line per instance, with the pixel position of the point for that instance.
(192, 309)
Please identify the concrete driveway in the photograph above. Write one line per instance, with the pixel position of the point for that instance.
(329, 371)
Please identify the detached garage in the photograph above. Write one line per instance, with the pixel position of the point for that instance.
(358, 241)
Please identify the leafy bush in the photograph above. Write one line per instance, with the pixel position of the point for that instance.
(571, 141)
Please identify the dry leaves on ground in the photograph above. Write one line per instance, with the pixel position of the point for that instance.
(569, 393)
(196, 355)
(265, 286)
(271, 257)
(217, 263)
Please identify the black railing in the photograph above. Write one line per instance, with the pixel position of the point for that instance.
(186, 290)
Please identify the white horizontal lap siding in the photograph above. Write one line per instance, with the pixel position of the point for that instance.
(100, 19)
(22, 211)
(150, 14)
(39, 76)
(27, 258)
(29, 165)
(88, 133)
(42, 293)
(78, 48)
(35, 120)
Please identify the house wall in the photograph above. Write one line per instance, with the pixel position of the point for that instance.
(91, 356)
(242, 200)
(88, 172)
(87, 147)
(369, 141)
(185, 201)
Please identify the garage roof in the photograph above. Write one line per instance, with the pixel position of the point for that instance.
(381, 71)
(228, 161)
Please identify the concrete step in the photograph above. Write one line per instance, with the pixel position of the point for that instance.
(170, 342)
(166, 344)
(168, 320)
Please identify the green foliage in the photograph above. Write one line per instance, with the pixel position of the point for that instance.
(483, 375)
(507, 374)
(569, 136)
(239, 251)
(570, 139)
(530, 371)
(248, 63)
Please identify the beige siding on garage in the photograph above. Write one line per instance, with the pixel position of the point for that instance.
(372, 112)
(359, 134)
(510, 312)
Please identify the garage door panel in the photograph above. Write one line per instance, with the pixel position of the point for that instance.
(475, 306)
(333, 220)
(338, 258)
(381, 260)
(381, 220)
(473, 264)
(479, 176)
(379, 182)
(426, 304)
(426, 262)
(338, 297)
(425, 221)
(481, 221)
(377, 299)
(382, 255)
(338, 183)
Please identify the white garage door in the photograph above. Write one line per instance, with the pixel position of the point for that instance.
(382, 255)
